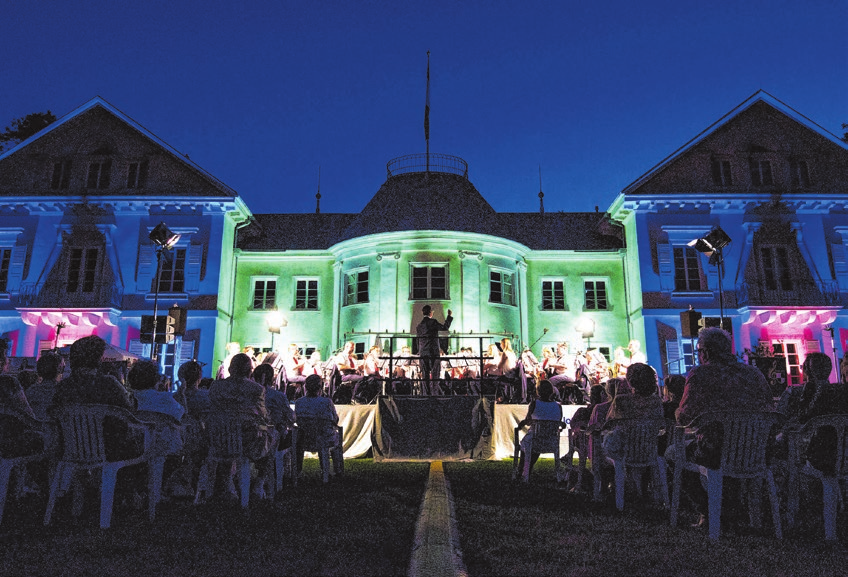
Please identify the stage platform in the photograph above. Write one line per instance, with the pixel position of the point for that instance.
(408, 428)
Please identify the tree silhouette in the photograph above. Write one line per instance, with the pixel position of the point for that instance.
(23, 128)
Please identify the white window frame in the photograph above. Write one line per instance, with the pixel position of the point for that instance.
(307, 280)
(429, 267)
(596, 280)
(507, 284)
(553, 281)
(351, 286)
(264, 279)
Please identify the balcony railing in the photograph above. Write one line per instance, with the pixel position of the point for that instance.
(809, 293)
(70, 295)
(431, 162)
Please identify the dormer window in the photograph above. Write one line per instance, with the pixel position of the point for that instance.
(761, 172)
(61, 175)
(99, 174)
(721, 172)
(137, 174)
(800, 174)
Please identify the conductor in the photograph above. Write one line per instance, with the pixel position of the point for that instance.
(428, 348)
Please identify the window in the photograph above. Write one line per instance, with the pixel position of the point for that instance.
(5, 262)
(553, 295)
(500, 287)
(306, 294)
(800, 172)
(776, 273)
(356, 287)
(761, 173)
(264, 294)
(596, 295)
(137, 175)
(82, 270)
(430, 282)
(721, 172)
(789, 351)
(99, 174)
(687, 269)
(172, 279)
(61, 175)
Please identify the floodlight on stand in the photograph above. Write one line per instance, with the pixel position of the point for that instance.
(162, 236)
(711, 245)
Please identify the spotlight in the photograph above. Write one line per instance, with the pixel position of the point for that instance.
(162, 236)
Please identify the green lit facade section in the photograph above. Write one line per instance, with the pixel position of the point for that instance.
(462, 269)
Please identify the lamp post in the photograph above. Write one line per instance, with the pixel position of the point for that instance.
(711, 245)
(276, 321)
(164, 240)
(586, 328)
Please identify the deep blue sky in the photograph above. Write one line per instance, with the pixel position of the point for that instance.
(261, 93)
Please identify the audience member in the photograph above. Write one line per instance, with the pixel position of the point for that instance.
(544, 408)
(642, 403)
(241, 394)
(190, 395)
(144, 380)
(313, 406)
(279, 410)
(50, 366)
(16, 439)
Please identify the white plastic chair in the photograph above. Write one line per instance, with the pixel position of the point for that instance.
(743, 456)
(322, 437)
(225, 446)
(9, 464)
(84, 449)
(578, 442)
(545, 439)
(283, 465)
(637, 449)
(831, 493)
(167, 441)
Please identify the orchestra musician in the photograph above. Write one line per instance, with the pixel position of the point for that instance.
(548, 359)
(346, 372)
(565, 373)
(293, 363)
(224, 370)
(622, 361)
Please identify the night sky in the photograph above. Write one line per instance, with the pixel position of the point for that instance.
(261, 94)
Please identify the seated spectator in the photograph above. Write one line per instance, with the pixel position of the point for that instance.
(87, 385)
(544, 408)
(314, 406)
(16, 440)
(279, 410)
(144, 380)
(241, 394)
(642, 403)
(820, 397)
(190, 395)
(599, 412)
(673, 385)
(50, 366)
(582, 416)
(27, 379)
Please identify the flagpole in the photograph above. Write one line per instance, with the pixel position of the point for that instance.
(427, 113)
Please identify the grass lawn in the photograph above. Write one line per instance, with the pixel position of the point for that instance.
(508, 528)
(363, 524)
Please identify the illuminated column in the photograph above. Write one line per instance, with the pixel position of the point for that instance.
(522, 301)
(387, 310)
(470, 297)
(337, 305)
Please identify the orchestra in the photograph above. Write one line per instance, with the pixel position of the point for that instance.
(498, 372)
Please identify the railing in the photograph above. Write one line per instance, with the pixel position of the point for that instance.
(808, 293)
(431, 162)
(71, 295)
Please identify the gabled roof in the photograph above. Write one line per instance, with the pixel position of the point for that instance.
(759, 96)
(97, 101)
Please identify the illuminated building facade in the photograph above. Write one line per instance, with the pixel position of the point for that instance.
(429, 237)
(777, 185)
(78, 201)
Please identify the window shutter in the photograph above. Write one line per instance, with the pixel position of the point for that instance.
(186, 352)
(146, 268)
(137, 348)
(16, 268)
(194, 254)
(673, 358)
(840, 266)
(666, 266)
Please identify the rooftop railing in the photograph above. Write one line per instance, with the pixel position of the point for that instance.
(427, 162)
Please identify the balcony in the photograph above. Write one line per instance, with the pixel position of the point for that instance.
(804, 293)
(70, 295)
